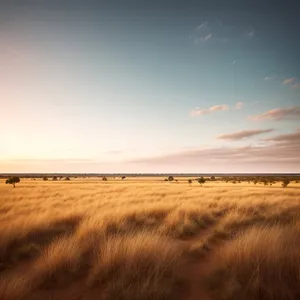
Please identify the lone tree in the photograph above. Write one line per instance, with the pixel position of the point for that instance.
(190, 181)
(45, 178)
(123, 177)
(170, 178)
(285, 183)
(67, 178)
(104, 178)
(13, 180)
(54, 178)
(201, 180)
(212, 178)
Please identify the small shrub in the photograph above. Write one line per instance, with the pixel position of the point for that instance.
(285, 183)
(170, 178)
(104, 178)
(45, 178)
(13, 180)
(201, 180)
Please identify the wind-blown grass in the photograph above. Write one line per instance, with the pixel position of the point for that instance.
(132, 239)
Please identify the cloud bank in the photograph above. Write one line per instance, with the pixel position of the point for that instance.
(278, 114)
(212, 109)
(214, 30)
(239, 105)
(289, 80)
(293, 82)
(236, 136)
(281, 154)
(289, 137)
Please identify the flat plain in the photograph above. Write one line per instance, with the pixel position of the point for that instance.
(146, 238)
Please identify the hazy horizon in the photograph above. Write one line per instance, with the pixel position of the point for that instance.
(149, 87)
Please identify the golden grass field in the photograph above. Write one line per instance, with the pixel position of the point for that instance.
(146, 239)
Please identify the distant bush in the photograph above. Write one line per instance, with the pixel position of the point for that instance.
(67, 178)
(54, 178)
(285, 183)
(170, 178)
(104, 178)
(13, 180)
(212, 178)
(201, 180)
(45, 178)
(190, 181)
(123, 177)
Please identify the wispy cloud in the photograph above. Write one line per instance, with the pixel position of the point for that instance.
(214, 30)
(289, 137)
(51, 161)
(269, 78)
(203, 33)
(293, 82)
(250, 32)
(239, 105)
(277, 114)
(200, 112)
(208, 37)
(239, 135)
(212, 109)
(203, 39)
(289, 80)
(114, 152)
(296, 85)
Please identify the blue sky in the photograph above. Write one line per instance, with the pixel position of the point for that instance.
(149, 86)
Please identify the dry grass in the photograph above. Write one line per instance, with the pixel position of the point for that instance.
(261, 263)
(136, 266)
(148, 239)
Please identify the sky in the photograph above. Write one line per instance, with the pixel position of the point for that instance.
(149, 86)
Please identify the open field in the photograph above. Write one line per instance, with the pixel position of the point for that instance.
(145, 239)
